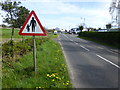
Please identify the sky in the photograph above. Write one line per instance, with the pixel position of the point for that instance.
(67, 14)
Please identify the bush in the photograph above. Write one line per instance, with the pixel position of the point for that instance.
(12, 51)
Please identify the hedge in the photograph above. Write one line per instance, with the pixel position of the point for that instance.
(105, 37)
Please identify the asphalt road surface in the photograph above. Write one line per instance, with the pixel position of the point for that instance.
(91, 65)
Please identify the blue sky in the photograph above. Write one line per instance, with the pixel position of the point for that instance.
(67, 14)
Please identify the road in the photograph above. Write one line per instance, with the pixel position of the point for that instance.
(90, 65)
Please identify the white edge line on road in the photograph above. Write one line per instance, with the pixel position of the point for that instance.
(108, 61)
(69, 65)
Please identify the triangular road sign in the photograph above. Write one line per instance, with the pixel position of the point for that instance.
(32, 26)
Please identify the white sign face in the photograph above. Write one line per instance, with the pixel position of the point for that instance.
(32, 26)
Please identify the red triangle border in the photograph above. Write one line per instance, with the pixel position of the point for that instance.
(32, 34)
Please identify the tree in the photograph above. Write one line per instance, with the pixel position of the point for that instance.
(10, 8)
(22, 15)
(99, 28)
(16, 15)
(81, 27)
(108, 26)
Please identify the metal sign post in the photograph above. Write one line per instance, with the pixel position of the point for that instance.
(34, 53)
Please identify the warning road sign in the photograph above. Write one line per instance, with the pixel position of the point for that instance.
(32, 26)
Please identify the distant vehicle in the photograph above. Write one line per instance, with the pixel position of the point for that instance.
(55, 32)
(70, 32)
(108, 30)
(75, 30)
(103, 30)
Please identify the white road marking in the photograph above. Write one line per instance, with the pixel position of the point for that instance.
(84, 48)
(80, 45)
(100, 47)
(76, 43)
(108, 61)
(65, 35)
(71, 40)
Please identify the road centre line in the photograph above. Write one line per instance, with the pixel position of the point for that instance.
(71, 40)
(100, 47)
(84, 48)
(97, 54)
(80, 45)
(76, 43)
(65, 36)
(108, 61)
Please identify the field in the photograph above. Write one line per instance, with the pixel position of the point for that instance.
(6, 33)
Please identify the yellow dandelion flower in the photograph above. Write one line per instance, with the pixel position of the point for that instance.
(39, 87)
(50, 76)
(53, 75)
(67, 83)
(57, 77)
(47, 74)
(53, 80)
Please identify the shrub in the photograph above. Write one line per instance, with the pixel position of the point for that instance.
(12, 51)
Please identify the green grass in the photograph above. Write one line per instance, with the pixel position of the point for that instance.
(51, 35)
(51, 69)
(6, 33)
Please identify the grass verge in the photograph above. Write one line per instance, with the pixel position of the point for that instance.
(51, 69)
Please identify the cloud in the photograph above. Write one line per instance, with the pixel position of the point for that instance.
(65, 0)
(71, 14)
(62, 13)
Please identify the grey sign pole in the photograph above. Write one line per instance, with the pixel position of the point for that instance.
(34, 53)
